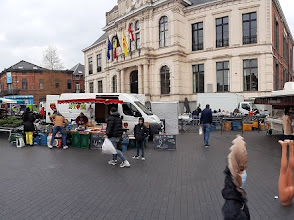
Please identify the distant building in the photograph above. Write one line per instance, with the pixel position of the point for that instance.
(28, 79)
(187, 47)
(79, 78)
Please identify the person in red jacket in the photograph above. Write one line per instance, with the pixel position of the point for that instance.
(82, 119)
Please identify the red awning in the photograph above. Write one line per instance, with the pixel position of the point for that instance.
(91, 101)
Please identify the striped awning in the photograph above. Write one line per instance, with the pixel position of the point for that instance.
(90, 101)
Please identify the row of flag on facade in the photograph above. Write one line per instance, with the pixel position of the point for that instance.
(116, 44)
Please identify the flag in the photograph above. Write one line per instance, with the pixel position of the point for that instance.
(109, 49)
(116, 45)
(131, 33)
(124, 42)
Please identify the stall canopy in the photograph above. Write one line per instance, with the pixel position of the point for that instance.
(10, 101)
(91, 101)
(281, 101)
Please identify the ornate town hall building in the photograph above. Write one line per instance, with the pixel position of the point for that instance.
(185, 47)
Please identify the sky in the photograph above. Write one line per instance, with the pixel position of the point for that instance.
(28, 27)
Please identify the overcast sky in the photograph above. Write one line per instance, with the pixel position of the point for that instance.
(27, 27)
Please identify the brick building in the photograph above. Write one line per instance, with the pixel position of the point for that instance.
(79, 78)
(30, 79)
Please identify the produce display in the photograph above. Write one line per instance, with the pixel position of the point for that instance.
(10, 122)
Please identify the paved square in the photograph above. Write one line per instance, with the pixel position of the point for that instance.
(38, 183)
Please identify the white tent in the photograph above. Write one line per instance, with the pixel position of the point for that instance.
(7, 101)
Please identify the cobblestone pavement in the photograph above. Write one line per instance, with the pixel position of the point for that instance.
(38, 183)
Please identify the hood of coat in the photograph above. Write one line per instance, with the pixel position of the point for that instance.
(230, 192)
(115, 114)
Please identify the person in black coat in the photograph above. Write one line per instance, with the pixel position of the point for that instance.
(235, 207)
(29, 127)
(141, 132)
(114, 131)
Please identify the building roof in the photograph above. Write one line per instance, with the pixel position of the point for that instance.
(24, 65)
(78, 69)
(197, 2)
(100, 39)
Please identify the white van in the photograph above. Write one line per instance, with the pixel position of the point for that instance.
(130, 110)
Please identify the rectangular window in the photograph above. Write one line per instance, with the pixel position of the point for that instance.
(197, 36)
(222, 32)
(198, 78)
(9, 85)
(100, 86)
(41, 84)
(291, 58)
(249, 28)
(277, 35)
(286, 76)
(24, 84)
(250, 74)
(99, 63)
(77, 77)
(277, 76)
(78, 87)
(285, 50)
(90, 62)
(69, 84)
(138, 40)
(222, 75)
(91, 87)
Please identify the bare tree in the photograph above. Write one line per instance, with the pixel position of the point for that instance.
(51, 59)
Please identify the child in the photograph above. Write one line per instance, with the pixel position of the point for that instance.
(141, 132)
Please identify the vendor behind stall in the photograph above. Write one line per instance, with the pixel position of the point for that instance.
(82, 119)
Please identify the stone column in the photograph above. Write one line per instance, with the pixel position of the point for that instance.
(122, 79)
(146, 78)
(118, 81)
(140, 79)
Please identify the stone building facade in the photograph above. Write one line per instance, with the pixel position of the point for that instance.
(186, 47)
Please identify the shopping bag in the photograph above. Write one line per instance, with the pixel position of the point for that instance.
(107, 147)
(200, 131)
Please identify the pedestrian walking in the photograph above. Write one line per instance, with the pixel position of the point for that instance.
(235, 207)
(60, 123)
(141, 132)
(206, 121)
(287, 125)
(29, 127)
(114, 131)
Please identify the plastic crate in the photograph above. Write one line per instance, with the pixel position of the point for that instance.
(76, 139)
(255, 124)
(212, 128)
(236, 125)
(85, 140)
(37, 140)
(247, 127)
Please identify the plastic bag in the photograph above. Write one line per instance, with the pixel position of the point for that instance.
(200, 131)
(108, 148)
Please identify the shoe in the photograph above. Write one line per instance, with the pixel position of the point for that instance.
(125, 164)
(50, 146)
(206, 146)
(32, 145)
(143, 158)
(136, 157)
(112, 162)
(65, 147)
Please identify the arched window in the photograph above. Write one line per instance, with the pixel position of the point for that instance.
(114, 84)
(112, 42)
(163, 31)
(132, 44)
(165, 80)
(137, 34)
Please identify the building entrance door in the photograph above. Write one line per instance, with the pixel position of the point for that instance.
(134, 82)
